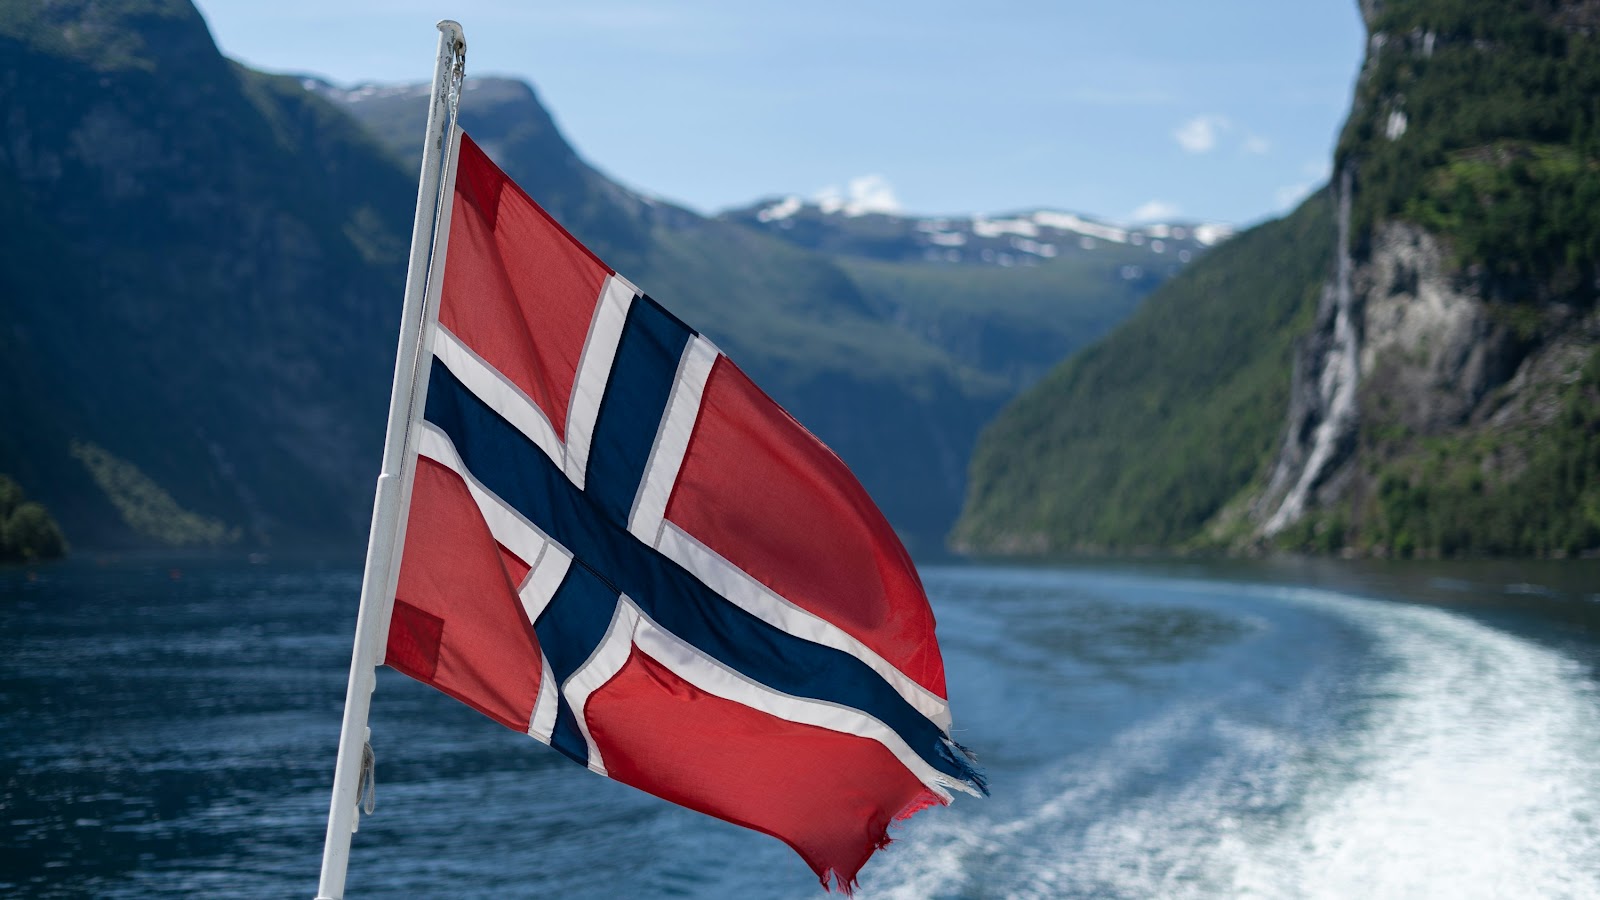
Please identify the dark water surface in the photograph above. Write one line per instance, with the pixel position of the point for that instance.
(1152, 730)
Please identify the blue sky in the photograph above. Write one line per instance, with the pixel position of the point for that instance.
(1224, 110)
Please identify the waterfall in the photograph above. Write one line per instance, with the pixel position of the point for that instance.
(1337, 373)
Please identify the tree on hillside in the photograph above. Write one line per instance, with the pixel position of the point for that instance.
(27, 532)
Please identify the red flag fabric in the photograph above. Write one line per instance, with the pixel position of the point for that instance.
(619, 545)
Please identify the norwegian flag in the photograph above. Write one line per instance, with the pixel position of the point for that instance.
(619, 545)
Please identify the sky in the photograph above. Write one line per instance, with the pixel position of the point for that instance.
(1223, 111)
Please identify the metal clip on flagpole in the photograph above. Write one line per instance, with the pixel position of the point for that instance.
(399, 462)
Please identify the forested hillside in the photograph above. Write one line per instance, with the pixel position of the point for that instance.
(195, 265)
(1139, 440)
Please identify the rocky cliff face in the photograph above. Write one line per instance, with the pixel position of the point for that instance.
(1401, 346)
(1434, 359)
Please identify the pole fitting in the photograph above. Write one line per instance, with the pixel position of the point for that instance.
(457, 42)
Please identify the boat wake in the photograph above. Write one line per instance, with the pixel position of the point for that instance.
(1449, 760)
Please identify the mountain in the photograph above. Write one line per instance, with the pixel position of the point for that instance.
(894, 361)
(1011, 295)
(1137, 441)
(1414, 374)
(843, 228)
(196, 263)
(201, 271)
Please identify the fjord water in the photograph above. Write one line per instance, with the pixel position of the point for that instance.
(1216, 730)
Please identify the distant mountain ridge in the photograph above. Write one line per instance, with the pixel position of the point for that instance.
(989, 289)
(1017, 239)
(835, 227)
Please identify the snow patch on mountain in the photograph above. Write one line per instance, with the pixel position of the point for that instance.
(861, 195)
(783, 209)
(865, 219)
(1066, 221)
(990, 228)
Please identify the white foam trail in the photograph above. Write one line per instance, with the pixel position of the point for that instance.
(1476, 777)
(1472, 771)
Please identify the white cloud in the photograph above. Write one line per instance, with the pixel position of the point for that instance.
(861, 195)
(1155, 211)
(1256, 144)
(1199, 134)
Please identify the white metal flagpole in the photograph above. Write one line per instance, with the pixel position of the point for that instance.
(428, 236)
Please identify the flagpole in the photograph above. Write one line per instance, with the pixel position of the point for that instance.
(393, 490)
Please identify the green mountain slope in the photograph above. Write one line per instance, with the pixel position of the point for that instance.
(188, 250)
(1009, 295)
(1139, 440)
(1010, 323)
